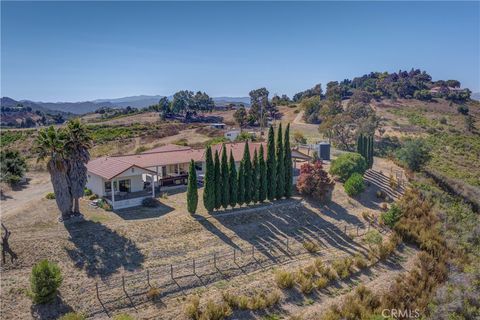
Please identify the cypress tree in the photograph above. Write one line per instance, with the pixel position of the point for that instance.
(209, 181)
(280, 161)
(367, 152)
(360, 144)
(365, 147)
(262, 180)
(255, 176)
(288, 163)
(271, 166)
(192, 192)
(218, 182)
(233, 181)
(247, 172)
(225, 179)
(241, 184)
(370, 156)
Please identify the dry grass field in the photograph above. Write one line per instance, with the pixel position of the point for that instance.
(103, 246)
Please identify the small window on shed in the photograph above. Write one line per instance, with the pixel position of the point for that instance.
(133, 169)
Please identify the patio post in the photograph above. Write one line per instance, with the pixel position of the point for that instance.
(113, 195)
(153, 186)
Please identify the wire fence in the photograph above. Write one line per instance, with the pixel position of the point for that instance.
(170, 280)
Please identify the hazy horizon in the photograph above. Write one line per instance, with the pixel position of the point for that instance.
(83, 51)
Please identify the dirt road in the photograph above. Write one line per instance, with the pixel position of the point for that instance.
(23, 196)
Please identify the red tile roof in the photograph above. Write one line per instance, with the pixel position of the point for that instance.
(109, 167)
(168, 147)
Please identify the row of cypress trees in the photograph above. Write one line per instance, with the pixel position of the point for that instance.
(225, 187)
(365, 148)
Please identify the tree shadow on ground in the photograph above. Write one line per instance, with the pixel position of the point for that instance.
(335, 211)
(138, 213)
(52, 310)
(21, 185)
(101, 251)
(268, 228)
(213, 229)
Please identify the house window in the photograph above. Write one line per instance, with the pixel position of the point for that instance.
(124, 185)
(198, 166)
(108, 186)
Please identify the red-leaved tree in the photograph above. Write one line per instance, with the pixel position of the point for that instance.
(315, 182)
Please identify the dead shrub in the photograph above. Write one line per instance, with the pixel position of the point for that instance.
(309, 270)
(215, 311)
(305, 283)
(284, 279)
(192, 309)
(319, 265)
(343, 266)
(153, 293)
(321, 282)
(360, 262)
(311, 246)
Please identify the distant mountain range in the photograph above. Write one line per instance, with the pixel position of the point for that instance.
(82, 107)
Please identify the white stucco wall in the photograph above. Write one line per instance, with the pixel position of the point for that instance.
(95, 183)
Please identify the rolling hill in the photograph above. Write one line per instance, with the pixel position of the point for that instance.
(82, 107)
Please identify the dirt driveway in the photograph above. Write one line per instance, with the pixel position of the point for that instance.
(16, 199)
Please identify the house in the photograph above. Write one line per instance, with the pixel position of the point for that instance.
(217, 126)
(232, 134)
(124, 181)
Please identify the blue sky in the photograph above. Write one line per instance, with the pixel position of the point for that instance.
(74, 51)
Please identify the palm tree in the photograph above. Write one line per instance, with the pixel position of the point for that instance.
(50, 146)
(77, 144)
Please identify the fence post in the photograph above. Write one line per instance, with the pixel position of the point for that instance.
(253, 252)
(96, 289)
(123, 283)
(171, 271)
(234, 255)
(287, 244)
(148, 277)
(345, 228)
(215, 260)
(194, 271)
(357, 231)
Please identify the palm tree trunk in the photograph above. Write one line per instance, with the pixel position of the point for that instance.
(76, 206)
(61, 188)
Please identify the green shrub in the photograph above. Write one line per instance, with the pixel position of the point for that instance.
(373, 237)
(105, 205)
(123, 316)
(45, 280)
(347, 164)
(284, 279)
(93, 197)
(392, 215)
(414, 154)
(150, 202)
(354, 185)
(72, 316)
(50, 196)
(87, 192)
